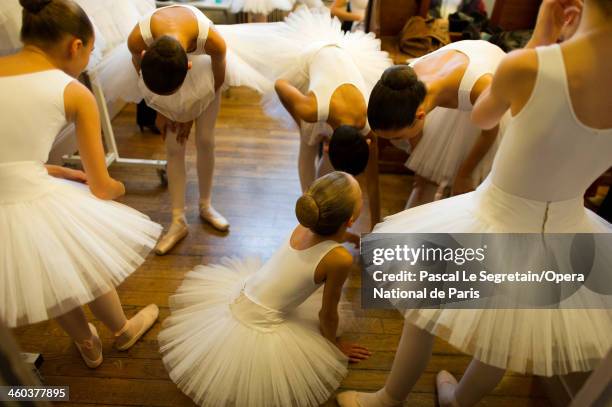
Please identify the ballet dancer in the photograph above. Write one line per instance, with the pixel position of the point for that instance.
(323, 78)
(425, 109)
(241, 333)
(561, 133)
(182, 90)
(64, 243)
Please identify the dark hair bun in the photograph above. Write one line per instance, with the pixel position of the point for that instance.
(399, 77)
(307, 211)
(34, 6)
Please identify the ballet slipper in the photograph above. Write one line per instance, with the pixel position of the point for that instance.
(136, 327)
(446, 385)
(216, 220)
(360, 399)
(176, 232)
(89, 345)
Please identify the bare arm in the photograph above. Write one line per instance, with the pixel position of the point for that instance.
(136, 46)
(337, 265)
(510, 89)
(299, 106)
(80, 107)
(557, 20)
(463, 181)
(338, 9)
(216, 48)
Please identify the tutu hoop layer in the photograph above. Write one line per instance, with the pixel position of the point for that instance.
(542, 342)
(61, 246)
(223, 349)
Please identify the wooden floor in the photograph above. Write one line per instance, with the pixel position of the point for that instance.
(256, 186)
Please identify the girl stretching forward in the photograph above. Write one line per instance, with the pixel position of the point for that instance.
(183, 62)
(63, 244)
(242, 334)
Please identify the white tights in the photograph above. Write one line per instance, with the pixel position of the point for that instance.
(411, 359)
(205, 150)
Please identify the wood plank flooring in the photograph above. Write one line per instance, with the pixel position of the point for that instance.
(256, 186)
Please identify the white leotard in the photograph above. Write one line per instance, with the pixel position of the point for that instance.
(547, 154)
(24, 139)
(287, 279)
(204, 24)
(330, 68)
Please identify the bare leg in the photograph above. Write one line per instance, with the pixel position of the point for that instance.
(307, 163)
(423, 191)
(205, 146)
(411, 358)
(478, 381)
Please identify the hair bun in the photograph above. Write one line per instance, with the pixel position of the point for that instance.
(398, 77)
(34, 6)
(307, 211)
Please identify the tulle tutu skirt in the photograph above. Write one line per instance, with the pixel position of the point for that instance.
(61, 246)
(448, 137)
(539, 341)
(223, 349)
(283, 51)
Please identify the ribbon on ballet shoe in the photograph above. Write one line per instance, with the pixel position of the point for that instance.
(136, 327)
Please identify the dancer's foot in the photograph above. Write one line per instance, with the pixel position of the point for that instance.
(91, 349)
(136, 327)
(446, 384)
(176, 232)
(216, 220)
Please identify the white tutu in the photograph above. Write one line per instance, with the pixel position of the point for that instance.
(543, 342)
(61, 246)
(222, 349)
(284, 49)
(448, 137)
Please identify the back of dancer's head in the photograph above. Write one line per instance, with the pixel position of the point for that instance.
(395, 99)
(46, 22)
(329, 203)
(164, 66)
(348, 150)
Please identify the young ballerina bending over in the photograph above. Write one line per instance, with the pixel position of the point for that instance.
(561, 133)
(336, 126)
(245, 334)
(64, 244)
(160, 45)
(425, 108)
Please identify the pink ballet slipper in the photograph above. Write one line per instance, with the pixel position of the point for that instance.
(89, 345)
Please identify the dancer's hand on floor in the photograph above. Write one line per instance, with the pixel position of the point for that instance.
(355, 353)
